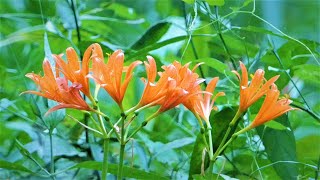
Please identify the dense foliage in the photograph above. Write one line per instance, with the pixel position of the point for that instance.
(282, 38)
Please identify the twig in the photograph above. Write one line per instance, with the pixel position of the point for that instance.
(308, 109)
(191, 41)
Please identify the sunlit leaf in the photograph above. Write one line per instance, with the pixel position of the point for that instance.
(152, 35)
(213, 63)
(275, 125)
(128, 172)
(215, 2)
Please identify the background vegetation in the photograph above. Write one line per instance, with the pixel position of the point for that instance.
(281, 37)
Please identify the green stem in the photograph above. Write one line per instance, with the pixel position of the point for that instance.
(113, 129)
(120, 168)
(144, 123)
(122, 146)
(210, 142)
(105, 158)
(210, 169)
(233, 137)
(51, 153)
(234, 120)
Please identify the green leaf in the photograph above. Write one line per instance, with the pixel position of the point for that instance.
(175, 144)
(189, 1)
(215, 2)
(48, 52)
(313, 149)
(197, 156)
(54, 118)
(152, 35)
(220, 123)
(66, 14)
(291, 54)
(128, 172)
(214, 63)
(308, 73)
(255, 29)
(280, 146)
(14, 166)
(275, 125)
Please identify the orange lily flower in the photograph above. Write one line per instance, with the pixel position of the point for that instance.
(249, 94)
(72, 69)
(200, 104)
(57, 89)
(109, 75)
(153, 92)
(272, 107)
(183, 83)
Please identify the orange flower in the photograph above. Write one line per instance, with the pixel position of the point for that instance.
(153, 91)
(249, 94)
(57, 89)
(72, 69)
(200, 104)
(109, 75)
(271, 107)
(183, 83)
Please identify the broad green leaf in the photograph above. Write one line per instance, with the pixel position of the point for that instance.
(255, 29)
(189, 1)
(100, 18)
(308, 143)
(14, 166)
(175, 144)
(275, 125)
(245, 3)
(197, 157)
(309, 73)
(122, 11)
(128, 172)
(214, 63)
(214, 176)
(152, 35)
(215, 2)
(145, 50)
(291, 54)
(280, 146)
(220, 123)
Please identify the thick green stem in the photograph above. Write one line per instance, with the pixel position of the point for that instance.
(120, 167)
(51, 153)
(232, 123)
(105, 158)
(144, 123)
(122, 146)
(210, 142)
(233, 137)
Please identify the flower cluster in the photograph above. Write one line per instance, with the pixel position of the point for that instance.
(175, 84)
(259, 86)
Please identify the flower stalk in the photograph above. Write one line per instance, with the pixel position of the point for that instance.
(231, 125)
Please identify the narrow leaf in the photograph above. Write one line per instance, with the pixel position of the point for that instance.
(14, 166)
(152, 35)
(214, 63)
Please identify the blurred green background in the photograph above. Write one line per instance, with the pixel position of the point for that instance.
(255, 32)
